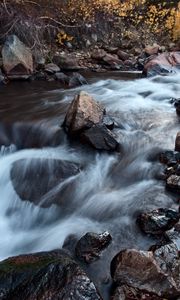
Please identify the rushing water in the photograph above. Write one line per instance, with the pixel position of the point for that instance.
(111, 189)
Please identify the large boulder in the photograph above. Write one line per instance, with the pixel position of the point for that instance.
(90, 246)
(100, 138)
(66, 62)
(177, 142)
(164, 63)
(156, 273)
(34, 179)
(83, 112)
(158, 220)
(17, 58)
(46, 275)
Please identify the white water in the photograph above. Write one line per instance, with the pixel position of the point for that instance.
(112, 189)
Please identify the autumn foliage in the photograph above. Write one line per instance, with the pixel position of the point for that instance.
(68, 20)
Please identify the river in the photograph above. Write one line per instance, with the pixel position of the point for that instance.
(111, 189)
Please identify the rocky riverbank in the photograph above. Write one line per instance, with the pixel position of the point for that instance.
(18, 62)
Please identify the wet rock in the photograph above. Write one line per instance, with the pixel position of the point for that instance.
(66, 62)
(51, 68)
(173, 183)
(17, 58)
(34, 179)
(90, 246)
(47, 275)
(83, 112)
(62, 78)
(177, 142)
(152, 50)
(168, 156)
(108, 122)
(76, 80)
(177, 105)
(140, 270)
(100, 138)
(98, 54)
(158, 220)
(162, 64)
(126, 292)
(70, 243)
(123, 55)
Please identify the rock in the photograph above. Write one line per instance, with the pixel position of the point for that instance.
(126, 292)
(152, 50)
(51, 68)
(2, 78)
(90, 246)
(123, 55)
(113, 61)
(76, 80)
(40, 75)
(158, 220)
(173, 183)
(177, 105)
(83, 112)
(62, 78)
(17, 58)
(177, 142)
(34, 178)
(142, 270)
(164, 63)
(108, 122)
(100, 138)
(112, 50)
(47, 275)
(98, 54)
(168, 156)
(66, 62)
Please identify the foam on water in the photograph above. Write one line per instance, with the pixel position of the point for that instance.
(111, 189)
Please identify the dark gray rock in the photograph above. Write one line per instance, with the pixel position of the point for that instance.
(90, 246)
(62, 78)
(100, 138)
(177, 142)
(35, 178)
(177, 106)
(51, 68)
(76, 79)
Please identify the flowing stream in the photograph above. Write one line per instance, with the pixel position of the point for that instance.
(111, 189)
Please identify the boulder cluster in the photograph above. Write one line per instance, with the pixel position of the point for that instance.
(18, 62)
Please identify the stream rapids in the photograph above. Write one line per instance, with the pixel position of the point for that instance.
(111, 189)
